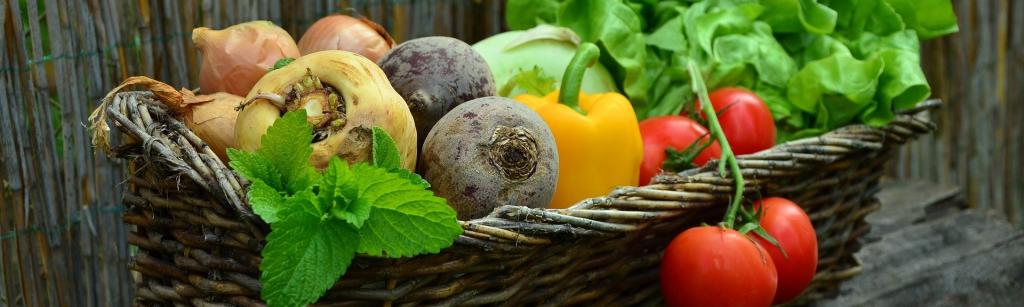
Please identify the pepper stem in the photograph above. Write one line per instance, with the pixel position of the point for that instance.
(728, 158)
(586, 55)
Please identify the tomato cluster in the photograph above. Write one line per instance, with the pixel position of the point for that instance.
(717, 266)
(745, 119)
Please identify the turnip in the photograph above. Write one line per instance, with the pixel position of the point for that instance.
(345, 96)
(490, 152)
(435, 74)
(548, 47)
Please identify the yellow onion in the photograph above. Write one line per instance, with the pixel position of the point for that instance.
(212, 118)
(236, 57)
(345, 95)
(341, 32)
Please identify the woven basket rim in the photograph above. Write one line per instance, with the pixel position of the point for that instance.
(624, 209)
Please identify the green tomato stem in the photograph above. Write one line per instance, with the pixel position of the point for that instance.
(586, 55)
(728, 158)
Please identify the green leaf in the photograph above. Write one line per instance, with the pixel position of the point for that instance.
(304, 256)
(533, 81)
(758, 49)
(385, 152)
(669, 36)
(286, 146)
(412, 177)
(811, 16)
(339, 193)
(265, 201)
(704, 23)
(282, 161)
(930, 18)
(525, 14)
(836, 88)
(872, 16)
(902, 84)
(406, 220)
(255, 167)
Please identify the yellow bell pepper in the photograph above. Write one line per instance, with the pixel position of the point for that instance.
(598, 137)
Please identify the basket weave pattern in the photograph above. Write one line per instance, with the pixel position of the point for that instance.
(200, 244)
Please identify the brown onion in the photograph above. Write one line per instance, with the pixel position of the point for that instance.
(212, 118)
(236, 57)
(341, 32)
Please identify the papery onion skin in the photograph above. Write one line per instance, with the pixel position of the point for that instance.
(236, 57)
(341, 32)
(213, 121)
(363, 88)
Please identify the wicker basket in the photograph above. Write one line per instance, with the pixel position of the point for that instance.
(200, 244)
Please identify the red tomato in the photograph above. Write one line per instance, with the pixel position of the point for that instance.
(745, 119)
(714, 266)
(791, 227)
(676, 132)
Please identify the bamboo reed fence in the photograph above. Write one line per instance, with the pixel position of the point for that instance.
(61, 235)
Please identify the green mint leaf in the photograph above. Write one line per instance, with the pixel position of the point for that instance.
(305, 255)
(265, 200)
(255, 167)
(413, 177)
(339, 193)
(286, 146)
(385, 155)
(385, 152)
(406, 220)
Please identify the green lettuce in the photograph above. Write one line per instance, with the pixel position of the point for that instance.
(817, 64)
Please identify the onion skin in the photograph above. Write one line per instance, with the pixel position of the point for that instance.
(236, 57)
(366, 93)
(341, 32)
(212, 119)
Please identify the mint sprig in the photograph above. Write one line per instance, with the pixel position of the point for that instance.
(385, 155)
(319, 222)
(305, 254)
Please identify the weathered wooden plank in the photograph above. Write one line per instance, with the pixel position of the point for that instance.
(1015, 121)
(908, 202)
(970, 258)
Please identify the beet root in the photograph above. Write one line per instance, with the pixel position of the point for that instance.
(490, 152)
(435, 74)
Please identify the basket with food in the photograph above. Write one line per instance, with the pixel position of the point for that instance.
(582, 161)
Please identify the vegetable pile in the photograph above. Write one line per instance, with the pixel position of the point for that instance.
(584, 97)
